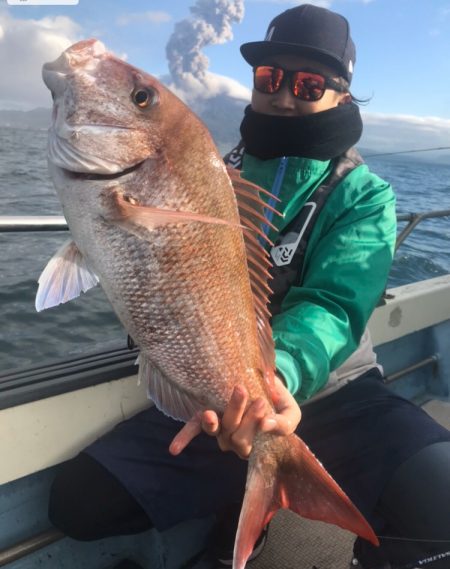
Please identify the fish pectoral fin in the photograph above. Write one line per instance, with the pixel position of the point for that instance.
(64, 278)
(128, 213)
(292, 478)
(172, 400)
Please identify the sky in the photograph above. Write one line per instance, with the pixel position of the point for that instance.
(402, 63)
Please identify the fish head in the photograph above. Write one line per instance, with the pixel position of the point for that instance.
(107, 115)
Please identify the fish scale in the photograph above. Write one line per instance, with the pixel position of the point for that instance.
(182, 299)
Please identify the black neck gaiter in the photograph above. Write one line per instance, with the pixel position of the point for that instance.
(321, 136)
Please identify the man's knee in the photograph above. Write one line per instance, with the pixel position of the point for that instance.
(68, 507)
(418, 496)
(416, 509)
(87, 502)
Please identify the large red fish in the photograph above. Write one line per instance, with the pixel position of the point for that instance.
(170, 234)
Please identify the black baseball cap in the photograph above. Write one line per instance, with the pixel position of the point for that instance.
(307, 30)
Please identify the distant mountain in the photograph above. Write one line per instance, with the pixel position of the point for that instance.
(36, 119)
(222, 115)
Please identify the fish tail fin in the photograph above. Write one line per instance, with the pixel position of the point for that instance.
(284, 473)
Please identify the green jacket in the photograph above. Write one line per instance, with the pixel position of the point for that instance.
(346, 266)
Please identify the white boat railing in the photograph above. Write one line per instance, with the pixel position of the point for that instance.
(25, 223)
(414, 219)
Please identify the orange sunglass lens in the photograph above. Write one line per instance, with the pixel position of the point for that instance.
(268, 79)
(308, 86)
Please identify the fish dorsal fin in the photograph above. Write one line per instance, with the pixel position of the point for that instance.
(251, 211)
(64, 278)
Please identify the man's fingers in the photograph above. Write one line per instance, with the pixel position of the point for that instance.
(235, 410)
(242, 438)
(287, 416)
(189, 431)
(278, 425)
(239, 425)
(211, 423)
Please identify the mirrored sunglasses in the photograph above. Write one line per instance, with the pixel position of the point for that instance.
(304, 85)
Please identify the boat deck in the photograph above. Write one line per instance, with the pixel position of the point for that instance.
(296, 543)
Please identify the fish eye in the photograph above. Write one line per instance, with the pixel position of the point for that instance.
(144, 98)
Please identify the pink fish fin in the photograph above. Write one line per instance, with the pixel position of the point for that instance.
(170, 398)
(283, 473)
(64, 278)
(128, 213)
(235, 176)
(251, 211)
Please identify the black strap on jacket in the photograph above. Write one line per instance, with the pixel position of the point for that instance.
(235, 157)
(288, 253)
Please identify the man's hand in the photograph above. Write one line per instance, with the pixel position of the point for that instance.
(241, 422)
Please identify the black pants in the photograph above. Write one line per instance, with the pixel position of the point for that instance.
(88, 503)
(415, 507)
(371, 441)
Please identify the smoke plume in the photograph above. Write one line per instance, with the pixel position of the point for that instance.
(210, 24)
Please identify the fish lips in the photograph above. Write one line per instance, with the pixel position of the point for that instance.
(84, 54)
(99, 177)
(78, 163)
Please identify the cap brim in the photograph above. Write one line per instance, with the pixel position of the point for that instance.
(257, 51)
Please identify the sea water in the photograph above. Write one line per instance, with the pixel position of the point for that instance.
(88, 324)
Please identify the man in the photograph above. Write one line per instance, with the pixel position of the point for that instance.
(331, 260)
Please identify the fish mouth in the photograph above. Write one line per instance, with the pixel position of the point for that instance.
(94, 176)
(85, 54)
(93, 157)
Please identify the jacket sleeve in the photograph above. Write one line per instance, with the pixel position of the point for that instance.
(346, 269)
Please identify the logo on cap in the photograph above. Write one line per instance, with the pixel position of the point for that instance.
(269, 33)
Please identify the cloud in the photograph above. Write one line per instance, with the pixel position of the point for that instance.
(25, 45)
(210, 86)
(441, 22)
(155, 17)
(392, 133)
